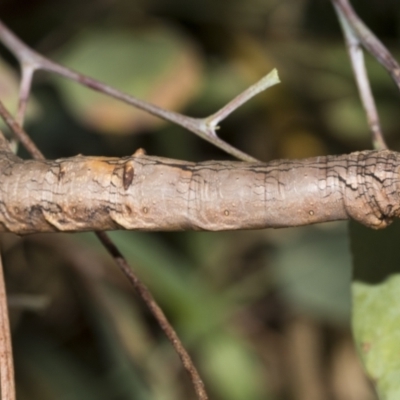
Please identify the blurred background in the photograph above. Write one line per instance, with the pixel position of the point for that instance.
(265, 314)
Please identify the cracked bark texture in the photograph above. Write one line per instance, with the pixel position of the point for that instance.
(158, 194)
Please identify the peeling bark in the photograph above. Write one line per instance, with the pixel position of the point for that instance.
(158, 194)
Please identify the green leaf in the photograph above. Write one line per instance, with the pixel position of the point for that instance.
(376, 304)
(232, 368)
(313, 270)
(158, 65)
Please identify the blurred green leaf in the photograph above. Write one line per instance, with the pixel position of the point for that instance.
(313, 271)
(346, 117)
(194, 306)
(198, 313)
(123, 374)
(232, 368)
(157, 64)
(376, 304)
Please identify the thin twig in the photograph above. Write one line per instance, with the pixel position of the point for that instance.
(27, 72)
(264, 83)
(20, 134)
(203, 127)
(6, 358)
(371, 43)
(4, 144)
(158, 313)
(357, 61)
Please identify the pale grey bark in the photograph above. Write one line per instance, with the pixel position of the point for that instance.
(158, 194)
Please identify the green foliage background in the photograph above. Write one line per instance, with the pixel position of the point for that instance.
(265, 314)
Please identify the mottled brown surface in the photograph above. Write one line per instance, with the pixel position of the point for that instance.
(152, 193)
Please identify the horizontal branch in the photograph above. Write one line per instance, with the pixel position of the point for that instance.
(159, 194)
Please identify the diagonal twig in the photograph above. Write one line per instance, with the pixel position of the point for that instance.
(203, 127)
(371, 43)
(158, 313)
(19, 133)
(357, 61)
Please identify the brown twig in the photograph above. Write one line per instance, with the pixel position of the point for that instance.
(203, 127)
(357, 61)
(20, 134)
(4, 144)
(157, 312)
(6, 359)
(371, 43)
(24, 91)
(7, 384)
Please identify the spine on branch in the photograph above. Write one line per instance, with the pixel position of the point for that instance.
(158, 194)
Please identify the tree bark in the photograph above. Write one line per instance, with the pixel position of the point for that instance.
(158, 194)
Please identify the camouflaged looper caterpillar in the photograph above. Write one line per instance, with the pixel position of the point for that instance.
(157, 194)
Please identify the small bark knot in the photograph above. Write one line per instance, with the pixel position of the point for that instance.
(139, 152)
(127, 176)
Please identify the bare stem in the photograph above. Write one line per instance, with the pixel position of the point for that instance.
(158, 314)
(19, 133)
(357, 61)
(6, 358)
(27, 71)
(371, 43)
(264, 83)
(4, 144)
(203, 127)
